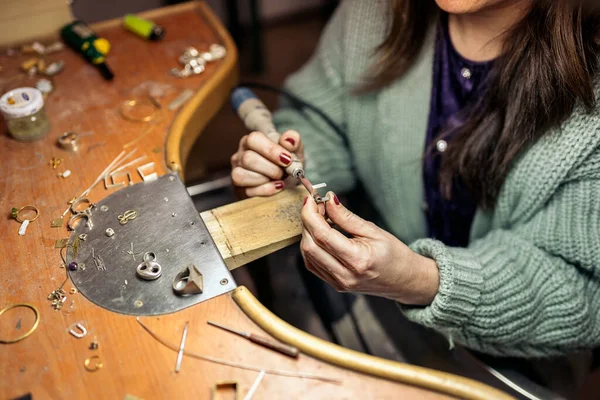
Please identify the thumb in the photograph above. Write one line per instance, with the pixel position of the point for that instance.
(346, 219)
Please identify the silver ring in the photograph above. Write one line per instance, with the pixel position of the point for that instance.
(69, 141)
(80, 201)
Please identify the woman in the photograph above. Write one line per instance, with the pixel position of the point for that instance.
(473, 126)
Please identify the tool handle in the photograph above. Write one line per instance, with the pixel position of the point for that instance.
(257, 117)
(289, 351)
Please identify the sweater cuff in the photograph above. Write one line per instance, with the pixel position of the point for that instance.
(461, 283)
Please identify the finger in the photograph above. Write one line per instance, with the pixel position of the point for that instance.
(267, 189)
(253, 161)
(347, 220)
(273, 152)
(325, 236)
(290, 140)
(244, 178)
(326, 265)
(243, 144)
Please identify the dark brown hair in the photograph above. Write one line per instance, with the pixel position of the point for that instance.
(548, 65)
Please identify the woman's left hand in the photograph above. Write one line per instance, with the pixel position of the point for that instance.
(372, 261)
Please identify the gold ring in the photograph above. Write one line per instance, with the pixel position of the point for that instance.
(30, 331)
(16, 213)
(69, 141)
(95, 367)
(131, 104)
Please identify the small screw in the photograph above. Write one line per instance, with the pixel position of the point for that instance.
(104, 208)
(224, 282)
(138, 303)
(109, 232)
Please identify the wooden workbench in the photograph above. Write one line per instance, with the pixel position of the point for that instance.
(50, 363)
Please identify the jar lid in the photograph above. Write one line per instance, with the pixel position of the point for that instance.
(21, 102)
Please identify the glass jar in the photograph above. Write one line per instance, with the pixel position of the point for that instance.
(23, 111)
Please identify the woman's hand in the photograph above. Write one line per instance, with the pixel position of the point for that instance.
(258, 165)
(372, 261)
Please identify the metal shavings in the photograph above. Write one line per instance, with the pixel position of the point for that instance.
(61, 243)
(57, 223)
(57, 297)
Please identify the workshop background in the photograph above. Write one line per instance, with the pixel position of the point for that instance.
(263, 31)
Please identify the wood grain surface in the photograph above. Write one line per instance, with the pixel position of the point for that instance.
(50, 363)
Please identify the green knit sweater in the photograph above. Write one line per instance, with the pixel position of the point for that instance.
(528, 284)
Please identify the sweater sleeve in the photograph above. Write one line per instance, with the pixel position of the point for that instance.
(530, 290)
(320, 83)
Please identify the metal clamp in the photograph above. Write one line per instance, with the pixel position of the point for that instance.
(189, 281)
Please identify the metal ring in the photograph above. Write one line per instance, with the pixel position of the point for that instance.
(30, 331)
(130, 104)
(76, 217)
(146, 270)
(69, 141)
(78, 202)
(92, 368)
(147, 256)
(28, 207)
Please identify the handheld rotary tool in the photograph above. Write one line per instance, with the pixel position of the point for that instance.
(257, 117)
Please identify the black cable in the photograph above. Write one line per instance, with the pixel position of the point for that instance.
(300, 105)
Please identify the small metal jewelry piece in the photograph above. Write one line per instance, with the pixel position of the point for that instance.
(73, 291)
(95, 367)
(109, 232)
(83, 236)
(94, 345)
(55, 162)
(82, 331)
(16, 213)
(149, 269)
(69, 141)
(78, 202)
(61, 243)
(104, 208)
(188, 281)
(77, 217)
(127, 216)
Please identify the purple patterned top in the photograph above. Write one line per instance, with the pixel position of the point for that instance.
(456, 82)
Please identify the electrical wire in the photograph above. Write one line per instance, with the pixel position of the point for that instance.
(237, 365)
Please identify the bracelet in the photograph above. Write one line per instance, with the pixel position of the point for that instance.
(30, 331)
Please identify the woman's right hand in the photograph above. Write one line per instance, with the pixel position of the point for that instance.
(257, 168)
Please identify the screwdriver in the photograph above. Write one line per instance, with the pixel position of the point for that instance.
(289, 351)
(257, 117)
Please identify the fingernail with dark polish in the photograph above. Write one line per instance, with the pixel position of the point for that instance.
(291, 140)
(278, 185)
(336, 200)
(284, 158)
(305, 199)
